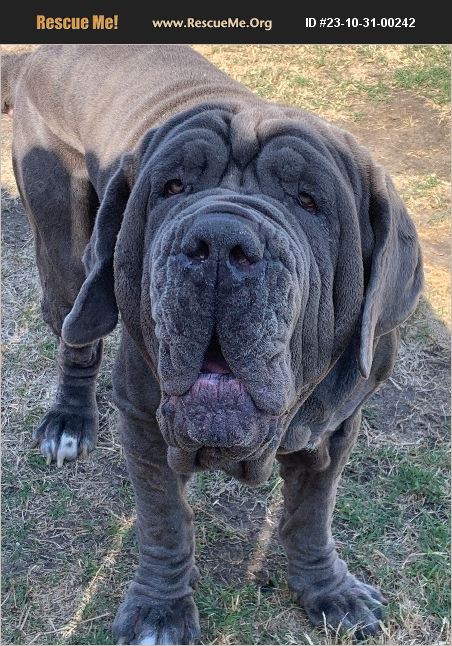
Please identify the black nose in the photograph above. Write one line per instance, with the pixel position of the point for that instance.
(223, 238)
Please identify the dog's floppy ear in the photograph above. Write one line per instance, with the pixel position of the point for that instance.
(396, 276)
(95, 312)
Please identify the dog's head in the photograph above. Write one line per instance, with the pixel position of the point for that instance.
(246, 248)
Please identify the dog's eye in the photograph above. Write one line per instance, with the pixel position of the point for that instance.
(173, 187)
(307, 202)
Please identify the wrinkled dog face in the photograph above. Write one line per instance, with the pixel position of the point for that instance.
(235, 233)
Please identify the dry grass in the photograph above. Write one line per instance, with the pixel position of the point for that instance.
(68, 541)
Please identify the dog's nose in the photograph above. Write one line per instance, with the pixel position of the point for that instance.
(223, 238)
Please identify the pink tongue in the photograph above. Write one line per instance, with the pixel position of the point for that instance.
(214, 361)
(215, 367)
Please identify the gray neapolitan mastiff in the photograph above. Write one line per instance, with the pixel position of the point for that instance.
(261, 262)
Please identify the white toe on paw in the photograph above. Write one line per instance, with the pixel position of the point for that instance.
(149, 639)
(67, 449)
(48, 449)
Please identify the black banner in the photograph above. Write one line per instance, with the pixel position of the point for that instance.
(122, 22)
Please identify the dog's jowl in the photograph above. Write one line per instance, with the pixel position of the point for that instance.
(261, 263)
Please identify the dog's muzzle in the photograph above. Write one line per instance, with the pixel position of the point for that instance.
(225, 296)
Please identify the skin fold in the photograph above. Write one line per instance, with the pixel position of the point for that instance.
(261, 263)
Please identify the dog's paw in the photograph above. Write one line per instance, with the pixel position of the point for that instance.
(65, 436)
(140, 620)
(353, 606)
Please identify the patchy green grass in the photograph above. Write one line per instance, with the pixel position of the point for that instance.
(334, 80)
(69, 546)
(433, 82)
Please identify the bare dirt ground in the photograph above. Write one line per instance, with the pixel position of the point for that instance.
(68, 542)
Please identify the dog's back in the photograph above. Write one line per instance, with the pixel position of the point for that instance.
(103, 98)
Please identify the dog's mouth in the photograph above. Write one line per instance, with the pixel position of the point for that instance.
(216, 421)
(216, 383)
(214, 362)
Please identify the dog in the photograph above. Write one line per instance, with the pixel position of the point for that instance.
(261, 262)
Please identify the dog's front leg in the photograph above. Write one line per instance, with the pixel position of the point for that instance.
(69, 428)
(159, 606)
(317, 576)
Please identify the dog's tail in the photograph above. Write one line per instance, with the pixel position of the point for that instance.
(12, 67)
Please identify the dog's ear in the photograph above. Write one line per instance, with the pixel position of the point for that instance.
(95, 312)
(396, 277)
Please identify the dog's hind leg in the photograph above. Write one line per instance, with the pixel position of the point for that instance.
(61, 205)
